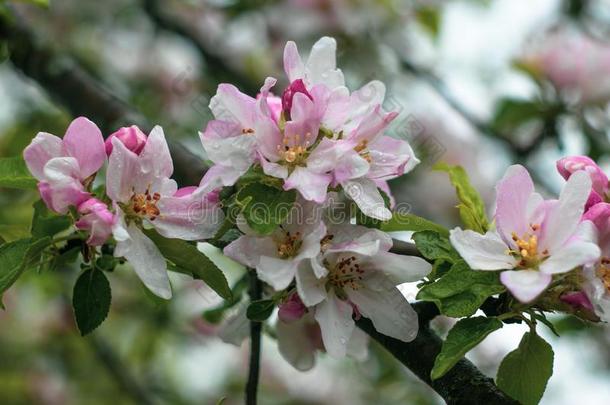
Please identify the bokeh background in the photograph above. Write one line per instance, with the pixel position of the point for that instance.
(478, 83)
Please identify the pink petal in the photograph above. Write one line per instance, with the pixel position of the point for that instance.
(512, 196)
(293, 65)
(525, 285)
(84, 141)
(43, 148)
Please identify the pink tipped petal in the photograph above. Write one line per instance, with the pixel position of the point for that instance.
(389, 311)
(350, 166)
(293, 65)
(482, 252)
(185, 191)
(148, 263)
(231, 105)
(571, 164)
(335, 319)
(525, 285)
(312, 186)
(292, 309)
(564, 218)
(43, 148)
(390, 158)
(225, 144)
(311, 289)
(512, 196)
(248, 250)
(372, 125)
(132, 137)
(363, 100)
(97, 219)
(365, 194)
(155, 160)
(84, 141)
(218, 176)
(578, 300)
(123, 172)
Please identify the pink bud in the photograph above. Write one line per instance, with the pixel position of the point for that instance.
(295, 87)
(577, 300)
(571, 164)
(97, 219)
(292, 309)
(132, 137)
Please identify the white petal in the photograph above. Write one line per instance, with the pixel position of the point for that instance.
(335, 319)
(236, 327)
(278, 273)
(358, 345)
(389, 311)
(482, 252)
(148, 263)
(310, 288)
(248, 250)
(123, 172)
(312, 186)
(155, 160)
(321, 65)
(525, 285)
(365, 194)
(564, 218)
(293, 65)
(573, 255)
(294, 343)
(399, 268)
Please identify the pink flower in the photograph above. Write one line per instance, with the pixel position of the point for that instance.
(295, 87)
(97, 219)
(132, 137)
(63, 166)
(231, 139)
(143, 192)
(292, 309)
(356, 270)
(534, 239)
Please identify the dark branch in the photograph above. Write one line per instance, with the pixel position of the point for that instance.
(213, 61)
(463, 384)
(256, 293)
(70, 85)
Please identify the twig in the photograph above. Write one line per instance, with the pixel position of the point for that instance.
(256, 291)
(70, 85)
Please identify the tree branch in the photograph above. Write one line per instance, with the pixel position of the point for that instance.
(70, 85)
(463, 384)
(256, 293)
(213, 61)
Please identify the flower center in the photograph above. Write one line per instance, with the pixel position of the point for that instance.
(326, 242)
(527, 249)
(144, 205)
(603, 272)
(346, 273)
(292, 151)
(290, 245)
(363, 151)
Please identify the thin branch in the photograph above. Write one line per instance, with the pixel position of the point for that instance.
(213, 61)
(70, 85)
(463, 384)
(256, 293)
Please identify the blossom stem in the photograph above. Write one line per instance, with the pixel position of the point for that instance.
(255, 292)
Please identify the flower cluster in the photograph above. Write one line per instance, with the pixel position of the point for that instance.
(138, 193)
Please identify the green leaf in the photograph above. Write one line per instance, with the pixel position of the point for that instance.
(512, 113)
(10, 233)
(410, 222)
(524, 372)
(189, 260)
(15, 174)
(461, 291)
(47, 223)
(433, 246)
(472, 208)
(260, 310)
(265, 207)
(12, 256)
(430, 18)
(466, 334)
(91, 300)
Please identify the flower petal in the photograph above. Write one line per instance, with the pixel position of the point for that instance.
(482, 252)
(310, 289)
(335, 319)
(148, 263)
(231, 105)
(293, 65)
(84, 141)
(525, 285)
(248, 250)
(43, 148)
(155, 160)
(295, 343)
(123, 172)
(365, 194)
(512, 196)
(312, 186)
(321, 65)
(572, 255)
(399, 268)
(278, 273)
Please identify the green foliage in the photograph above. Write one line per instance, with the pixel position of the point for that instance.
(410, 222)
(91, 300)
(47, 223)
(433, 246)
(512, 113)
(260, 310)
(265, 207)
(524, 372)
(465, 335)
(430, 18)
(15, 174)
(472, 208)
(461, 291)
(189, 260)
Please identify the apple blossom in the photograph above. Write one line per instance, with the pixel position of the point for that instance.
(534, 239)
(355, 274)
(132, 137)
(65, 167)
(141, 189)
(96, 218)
